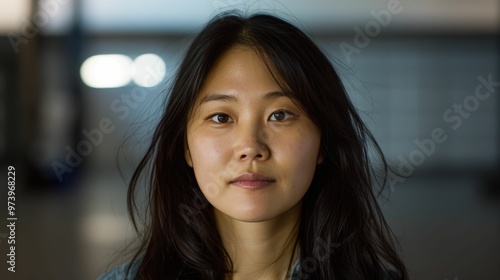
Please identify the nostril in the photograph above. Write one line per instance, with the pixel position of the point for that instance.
(256, 156)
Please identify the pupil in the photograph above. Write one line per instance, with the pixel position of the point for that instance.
(279, 116)
(222, 118)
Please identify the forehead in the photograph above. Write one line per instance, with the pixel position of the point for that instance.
(239, 70)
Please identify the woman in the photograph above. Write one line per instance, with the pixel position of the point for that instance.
(259, 167)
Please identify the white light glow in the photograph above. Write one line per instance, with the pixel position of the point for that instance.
(107, 71)
(149, 70)
(13, 14)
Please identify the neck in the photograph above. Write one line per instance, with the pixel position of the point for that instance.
(260, 250)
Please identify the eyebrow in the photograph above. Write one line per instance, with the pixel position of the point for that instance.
(232, 98)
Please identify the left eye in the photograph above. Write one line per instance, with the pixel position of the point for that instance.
(280, 116)
(221, 118)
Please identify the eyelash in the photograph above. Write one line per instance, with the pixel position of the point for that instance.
(290, 115)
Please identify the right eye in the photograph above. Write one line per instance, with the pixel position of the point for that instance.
(221, 118)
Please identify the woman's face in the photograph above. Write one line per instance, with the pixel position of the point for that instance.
(253, 151)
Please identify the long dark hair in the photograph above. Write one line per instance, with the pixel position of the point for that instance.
(342, 233)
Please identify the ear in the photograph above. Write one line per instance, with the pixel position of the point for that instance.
(187, 155)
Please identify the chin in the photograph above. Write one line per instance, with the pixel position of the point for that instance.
(252, 211)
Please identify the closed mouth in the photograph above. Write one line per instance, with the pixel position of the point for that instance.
(252, 181)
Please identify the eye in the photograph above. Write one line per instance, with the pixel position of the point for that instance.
(280, 116)
(221, 118)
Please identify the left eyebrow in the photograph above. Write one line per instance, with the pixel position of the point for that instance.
(218, 97)
(274, 95)
(232, 98)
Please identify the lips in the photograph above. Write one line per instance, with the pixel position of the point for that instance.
(252, 181)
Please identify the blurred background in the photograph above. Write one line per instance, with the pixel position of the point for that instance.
(78, 78)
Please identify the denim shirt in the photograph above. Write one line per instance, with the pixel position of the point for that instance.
(119, 272)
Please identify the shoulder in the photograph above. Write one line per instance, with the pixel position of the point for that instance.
(387, 274)
(120, 272)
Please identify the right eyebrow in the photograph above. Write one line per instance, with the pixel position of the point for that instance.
(218, 97)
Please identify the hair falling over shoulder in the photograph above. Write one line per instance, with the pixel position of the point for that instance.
(342, 233)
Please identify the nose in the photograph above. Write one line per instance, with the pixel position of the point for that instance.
(252, 144)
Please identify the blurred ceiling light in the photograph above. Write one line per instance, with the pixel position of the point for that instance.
(13, 15)
(107, 71)
(149, 70)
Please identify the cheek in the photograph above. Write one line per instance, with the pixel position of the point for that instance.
(300, 155)
(204, 150)
(209, 155)
(205, 147)
(300, 148)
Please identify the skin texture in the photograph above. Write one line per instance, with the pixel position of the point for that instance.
(242, 123)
